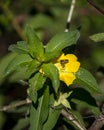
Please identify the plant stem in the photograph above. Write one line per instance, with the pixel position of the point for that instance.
(16, 104)
(97, 124)
(95, 6)
(70, 117)
(70, 15)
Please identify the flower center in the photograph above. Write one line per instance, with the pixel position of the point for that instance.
(63, 62)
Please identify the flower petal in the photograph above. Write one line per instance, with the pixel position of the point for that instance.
(72, 67)
(68, 78)
(71, 57)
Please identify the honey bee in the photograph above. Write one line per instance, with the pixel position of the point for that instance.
(63, 62)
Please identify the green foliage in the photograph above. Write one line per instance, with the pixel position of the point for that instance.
(21, 124)
(20, 48)
(37, 81)
(51, 71)
(39, 113)
(3, 65)
(34, 44)
(59, 42)
(18, 61)
(33, 67)
(32, 94)
(52, 119)
(53, 116)
(87, 81)
(36, 62)
(94, 109)
(97, 37)
(85, 99)
(40, 21)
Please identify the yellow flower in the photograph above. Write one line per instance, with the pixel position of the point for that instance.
(67, 66)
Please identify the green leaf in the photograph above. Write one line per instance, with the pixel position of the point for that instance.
(53, 115)
(65, 128)
(22, 123)
(37, 81)
(35, 46)
(33, 66)
(59, 42)
(86, 79)
(40, 21)
(24, 71)
(33, 115)
(97, 37)
(20, 47)
(17, 61)
(84, 98)
(52, 72)
(32, 94)
(18, 75)
(94, 109)
(39, 115)
(52, 119)
(4, 63)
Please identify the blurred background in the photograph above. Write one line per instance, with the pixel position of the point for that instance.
(47, 17)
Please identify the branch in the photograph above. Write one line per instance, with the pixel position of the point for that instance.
(27, 101)
(70, 15)
(99, 122)
(71, 118)
(14, 105)
(95, 6)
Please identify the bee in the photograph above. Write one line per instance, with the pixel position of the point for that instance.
(63, 62)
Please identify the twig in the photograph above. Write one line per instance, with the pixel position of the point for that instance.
(70, 15)
(95, 6)
(14, 105)
(15, 24)
(70, 117)
(27, 101)
(98, 123)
